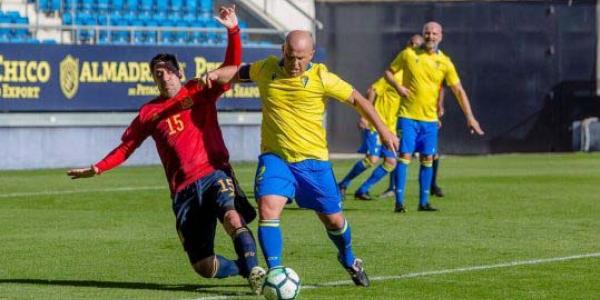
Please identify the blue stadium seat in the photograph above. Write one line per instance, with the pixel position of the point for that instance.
(162, 5)
(117, 5)
(55, 5)
(206, 6)
(132, 5)
(69, 5)
(43, 5)
(189, 17)
(191, 5)
(67, 18)
(102, 6)
(103, 20)
(87, 4)
(159, 17)
(147, 5)
(176, 5)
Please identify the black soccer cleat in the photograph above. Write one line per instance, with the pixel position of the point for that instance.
(362, 196)
(436, 191)
(399, 209)
(427, 207)
(358, 274)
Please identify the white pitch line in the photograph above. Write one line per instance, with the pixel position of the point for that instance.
(438, 272)
(48, 193)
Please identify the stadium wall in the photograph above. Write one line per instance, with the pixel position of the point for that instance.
(66, 106)
(528, 66)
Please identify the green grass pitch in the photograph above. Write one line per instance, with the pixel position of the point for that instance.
(510, 227)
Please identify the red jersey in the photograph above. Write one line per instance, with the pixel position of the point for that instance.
(185, 129)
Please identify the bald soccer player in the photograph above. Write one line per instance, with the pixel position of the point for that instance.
(295, 161)
(424, 70)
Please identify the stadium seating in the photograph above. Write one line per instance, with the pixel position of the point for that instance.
(14, 35)
(139, 14)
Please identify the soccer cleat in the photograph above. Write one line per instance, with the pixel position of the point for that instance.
(427, 207)
(257, 279)
(357, 273)
(436, 191)
(387, 194)
(362, 196)
(399, 209)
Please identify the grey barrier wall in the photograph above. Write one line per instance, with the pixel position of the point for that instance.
(528, 66)
(63, 140)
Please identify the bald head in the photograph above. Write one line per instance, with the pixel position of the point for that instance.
(300, 40)
(432, 34)
(298, 51)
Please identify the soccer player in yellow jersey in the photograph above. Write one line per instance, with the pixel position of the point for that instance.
(425, 69)
(386, 101)
(294, 160)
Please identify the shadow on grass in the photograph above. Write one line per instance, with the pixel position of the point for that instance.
(203, 288)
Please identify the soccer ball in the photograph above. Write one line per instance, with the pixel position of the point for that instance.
(282, 283)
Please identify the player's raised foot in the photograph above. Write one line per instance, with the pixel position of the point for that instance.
(362, 196)
(357, 273)
(427, 207)
(400, 209)
(436, 191)
(257, 279)
(387, 194)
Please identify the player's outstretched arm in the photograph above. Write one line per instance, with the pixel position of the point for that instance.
(366, 109)
(465, 105)
(83, 173)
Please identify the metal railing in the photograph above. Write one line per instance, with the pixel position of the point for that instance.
(92, 34)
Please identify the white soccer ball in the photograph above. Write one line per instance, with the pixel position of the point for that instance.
(282, 283)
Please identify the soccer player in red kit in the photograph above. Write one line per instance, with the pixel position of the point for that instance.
(183, 123)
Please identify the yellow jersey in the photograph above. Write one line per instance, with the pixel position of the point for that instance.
(387, 101)
(424, 74)
(293, 108)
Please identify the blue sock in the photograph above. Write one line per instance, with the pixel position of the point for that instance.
(436, 163)
(401, 170)
(245, 247)
(359, 167)
(377, 174)
(342, 238)
(271, 242)
(226, 267)
(425, 174)
(392, 181)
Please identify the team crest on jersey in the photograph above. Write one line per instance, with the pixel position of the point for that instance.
(155, 117)
(304, 80)
(187, 103)
(273, 76)
(69, 76)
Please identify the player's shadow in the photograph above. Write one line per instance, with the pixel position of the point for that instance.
(203, 288)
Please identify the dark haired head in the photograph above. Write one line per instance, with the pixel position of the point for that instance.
(166, 60)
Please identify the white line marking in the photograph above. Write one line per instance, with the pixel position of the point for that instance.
(48, 193)
(438, 272)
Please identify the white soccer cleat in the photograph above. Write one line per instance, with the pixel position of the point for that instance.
(257, 279)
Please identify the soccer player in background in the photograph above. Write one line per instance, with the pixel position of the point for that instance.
(425, 69)
(182, 120)
(386, 101)
(294, 160)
